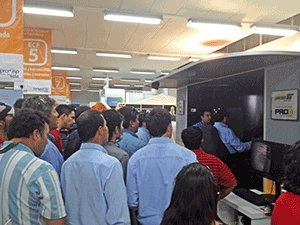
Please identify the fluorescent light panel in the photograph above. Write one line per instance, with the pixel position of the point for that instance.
(164, 72)
(74, 78)
(114, 55)
(277, 31)
(105, 70)
(193, 59)
(131, 18)
(210, 25)
(8, 87)
(75, 84)
(65, 68)
(130, 80)
(64, 51)
(93, 90)
(48, 11)
(75, 89)
(142, 72)
(139, 85)
(121, 85)
(165, 58)
(148, 81)
(100, 78)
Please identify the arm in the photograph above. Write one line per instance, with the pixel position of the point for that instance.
(61, 221)
(237, 144)
(225, 192)
(133, 215)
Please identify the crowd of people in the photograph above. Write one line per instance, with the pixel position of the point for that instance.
(61, 165)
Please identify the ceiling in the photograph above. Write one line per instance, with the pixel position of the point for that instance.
(88, 32)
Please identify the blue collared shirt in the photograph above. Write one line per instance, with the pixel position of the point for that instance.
(130, 142)
(52, 155)
(199, 124)
(231, 141)
(150, 177)
(94, 188)
(29, 188)
(143, 134)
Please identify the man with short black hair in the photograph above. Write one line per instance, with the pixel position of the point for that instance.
(6, 115)
(47, 106)
(192, 138)
(152, 169)
(29, 187)
(143, 132)
(206, 118)
(130, 142)
(92, 181)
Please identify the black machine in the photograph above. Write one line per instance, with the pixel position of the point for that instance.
(266, 161)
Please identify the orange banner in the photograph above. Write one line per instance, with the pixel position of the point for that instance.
(11, 26)
(68, 91)
(37, 54)
(59, 83)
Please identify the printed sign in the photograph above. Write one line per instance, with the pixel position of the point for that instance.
(11, 40)
(285, 105)
(59, 83)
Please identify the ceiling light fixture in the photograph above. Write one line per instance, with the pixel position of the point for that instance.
(121, 85)
(164, 72)
(130, 80)
(65, 68)
(64, 51)
(139, 85)
(48, 11)
(165, 58)
(148, 81)
(75, 90)
(210, 25)
(278, 30)
(105, 70)
(100, 78)
(193, 59)
(142, 72)
(74, 78)
(93, 90)
(132, 18)
(75, 84)
(8, 87)
(114, 55)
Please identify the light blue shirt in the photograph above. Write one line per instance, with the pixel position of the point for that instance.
(150, 177)
(231, 141)
(94, 188)
(143, 134)
(130, 142)
(29, 188)
(52, 155)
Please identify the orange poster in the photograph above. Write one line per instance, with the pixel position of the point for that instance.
(59, 83)
(68, 91)
(11, 40)
(37, 54)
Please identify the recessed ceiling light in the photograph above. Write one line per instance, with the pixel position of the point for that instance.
(8, 87)
(142, 72)
(75, 84)
(139, 85)
(194, 59)
(114, 55)
(211, 25)
(148, 81)
(48, 11)
(278, 30)
(64, 51)
(164, 72)
(131, 18)
(130, 80)
(152, 57)
(105, 70)
(75, 90)
(93, 90)
(121, 85)
(74, 78)
(100, 78)
(65, 68)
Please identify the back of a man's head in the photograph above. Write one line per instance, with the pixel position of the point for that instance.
(192, 137)
(25, 122)
(113, 119)
(80, 110)
(158, 121)
(130, 114)
(88, 124)
(43, 104)
(220, 115)
(64, 109)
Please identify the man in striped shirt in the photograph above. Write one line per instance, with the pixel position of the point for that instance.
(192, 138)
(29, 187)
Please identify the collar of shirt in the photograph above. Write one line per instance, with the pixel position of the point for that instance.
(160, 140)
(51, 137)
(87, 146)
(21, 147)
(221, 124)
(130, 132)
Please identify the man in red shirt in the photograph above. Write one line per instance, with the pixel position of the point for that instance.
(66, 118)
(6, 116)
(192, 138)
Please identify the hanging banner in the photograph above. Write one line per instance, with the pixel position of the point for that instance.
(59, 87)
(68, 92)
(37, 61)
(11, 40)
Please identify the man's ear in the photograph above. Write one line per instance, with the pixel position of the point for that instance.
(170, 130)
(2, 123)
(36, 134)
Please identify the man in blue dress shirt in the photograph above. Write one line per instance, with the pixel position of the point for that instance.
(130, 142)
(143, 132)
(92, 181)
(152, 169)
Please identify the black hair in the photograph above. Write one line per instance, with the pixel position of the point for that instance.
(43, 104)
(194, 197)
(25, 121)
(64, 109)
(219, 115)
(205, 109)
(158, 121)
(130, 114)
(113, 119)
(192, 137)
(142, 118)
(18, 104)
(291, 180)
(88, 124)
(80, 110)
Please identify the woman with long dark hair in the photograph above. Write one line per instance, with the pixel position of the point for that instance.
(194, 197)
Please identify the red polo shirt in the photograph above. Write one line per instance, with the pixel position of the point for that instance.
(222, 174)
